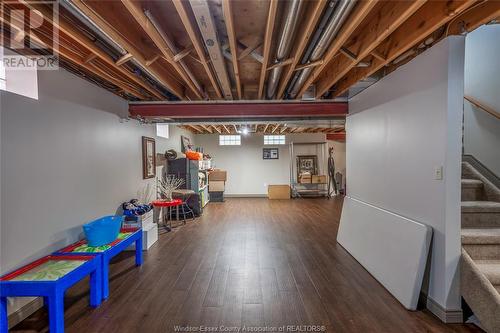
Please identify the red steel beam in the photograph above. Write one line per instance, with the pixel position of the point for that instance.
(339, 136)
(238, 110)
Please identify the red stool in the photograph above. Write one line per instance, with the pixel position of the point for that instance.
(168, 204)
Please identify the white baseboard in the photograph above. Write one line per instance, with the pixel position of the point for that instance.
(446, 316)
(245, 195)
(25, 311)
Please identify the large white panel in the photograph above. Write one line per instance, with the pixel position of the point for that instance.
(393, 248)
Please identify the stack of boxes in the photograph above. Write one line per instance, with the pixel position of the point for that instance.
(307, 178)
(217, 184)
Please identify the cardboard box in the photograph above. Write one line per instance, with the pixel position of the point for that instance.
(217, 175)
(319, 179)
(278, 192)
(216, 186)
(305, 179)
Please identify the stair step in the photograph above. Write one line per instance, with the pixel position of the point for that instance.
(478, 236)
(497, 288)
(491, 269)
(472, 183)
(472, 190)
(480, 207)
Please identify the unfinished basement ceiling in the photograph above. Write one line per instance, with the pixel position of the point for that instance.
(247, 50)
(265, 127)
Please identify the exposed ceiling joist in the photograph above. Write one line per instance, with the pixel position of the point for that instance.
(123, 59)
(84, 62)
(359, 13)
(182, 54)
(249, 49)
(426, 20)
(389, 17)
(474, 17)
(208, 29)
(273, 6)
(89, 58)
(189, 25)
(217, 129)
(83, 40)
(168, 82)
(206, 128)
(156, 36)
(231, 34)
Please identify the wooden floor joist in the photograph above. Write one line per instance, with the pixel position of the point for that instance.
(271, 16)
(357, 16)
(168, 82)
(427, 19)
(192, 32)
(389, 17)
(231, 34)
(83, 40)
(153, 60)
(66, 54)
(139, 16)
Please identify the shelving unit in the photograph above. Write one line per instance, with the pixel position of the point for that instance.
(320, 149)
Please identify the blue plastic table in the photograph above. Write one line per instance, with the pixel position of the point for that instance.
(126, 238)
(49, 277)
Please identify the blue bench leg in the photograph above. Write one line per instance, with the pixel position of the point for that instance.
(138, 251)
(4, 327)
(105, 278)
(56, 312)
(96, 288)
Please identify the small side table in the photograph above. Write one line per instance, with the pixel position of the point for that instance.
(169, 205)
(126, 237)
(49, 277)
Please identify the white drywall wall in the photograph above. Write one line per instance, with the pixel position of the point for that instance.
(400, 130)
(65, 159)
(482, 82)
(248, 173)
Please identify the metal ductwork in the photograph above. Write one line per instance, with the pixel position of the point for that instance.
(108, 43)
(333, 19)
(293, 11)
(174, 49)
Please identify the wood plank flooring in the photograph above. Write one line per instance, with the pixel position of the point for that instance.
(246, 262)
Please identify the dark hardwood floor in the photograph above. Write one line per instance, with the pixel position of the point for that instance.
(251, 262)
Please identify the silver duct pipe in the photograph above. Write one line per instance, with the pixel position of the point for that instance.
(174, 49)
(339, 16)
(70, 7)
(294, 9)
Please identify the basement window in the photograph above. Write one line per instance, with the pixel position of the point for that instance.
(17, 79)
(229, 140)
(162, 130)
(274, 139)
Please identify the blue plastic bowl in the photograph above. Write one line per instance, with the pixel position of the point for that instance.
(103, 230)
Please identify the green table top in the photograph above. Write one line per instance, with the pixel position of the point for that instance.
(50, 271)
(95, 249)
